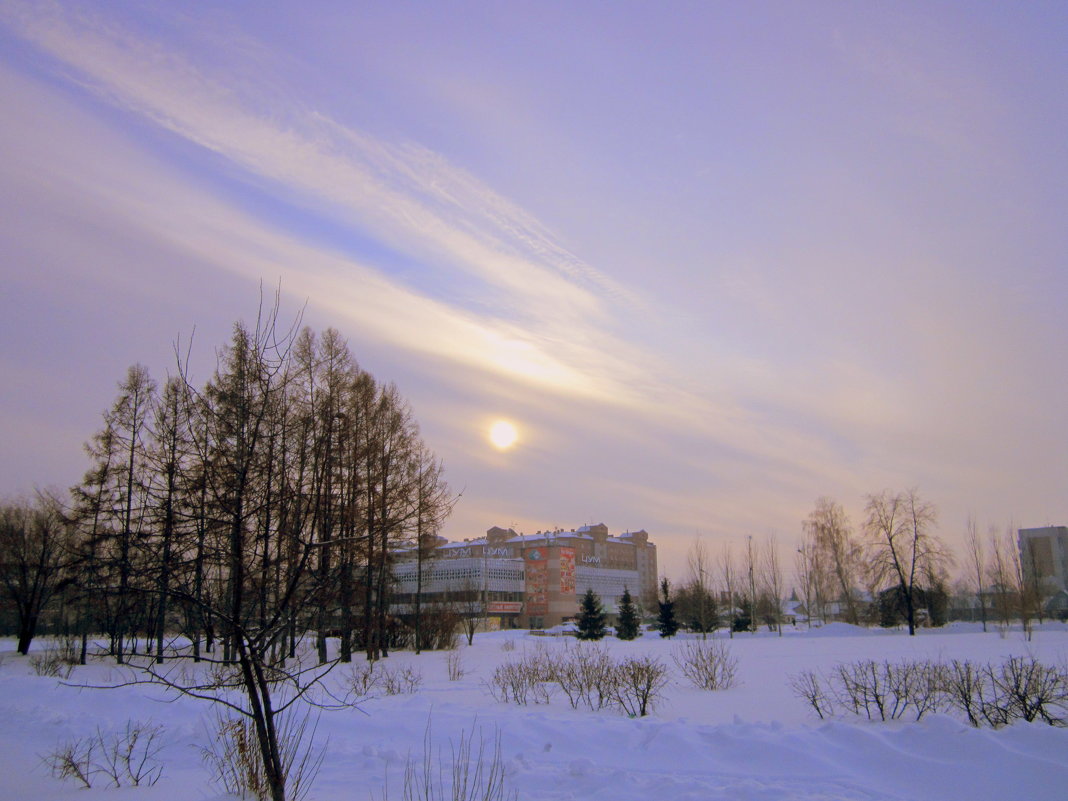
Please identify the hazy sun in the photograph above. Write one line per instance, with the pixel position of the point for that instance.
(503, 435)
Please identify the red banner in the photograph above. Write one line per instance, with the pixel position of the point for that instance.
(567, 571)
(537, 586)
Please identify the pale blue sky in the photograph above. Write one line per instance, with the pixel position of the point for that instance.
(715, 260)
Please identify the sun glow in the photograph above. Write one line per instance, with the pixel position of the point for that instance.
(503, 435)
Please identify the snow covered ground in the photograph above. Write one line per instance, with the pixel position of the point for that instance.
(753, 741)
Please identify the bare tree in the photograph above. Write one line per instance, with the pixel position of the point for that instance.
(1021, 561)
(977, 565)
(730, 584)
(751, 572)
(773, 583)
(33, 549)
(835, 557)
(699, 588)
(1002, 580)
(902, 547)
(810, 574)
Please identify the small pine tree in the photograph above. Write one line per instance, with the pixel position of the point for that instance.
(591, 619)
(627, 626)
(666, 619)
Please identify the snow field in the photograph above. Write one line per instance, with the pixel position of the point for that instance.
(752, 742)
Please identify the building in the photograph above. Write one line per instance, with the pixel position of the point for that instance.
(1044, 556)
(532, 580)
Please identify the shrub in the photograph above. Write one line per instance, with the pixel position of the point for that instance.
(637, 684)
(233, 756)
(520, 682)
(708, 664)
(586, 676)
(400, 680)
(56, 661)
(995, 695)
(807, 685)
(454, 665)
(127, 758)
(1029, 690)
(363, 683)
(467, 774)
(886, 690)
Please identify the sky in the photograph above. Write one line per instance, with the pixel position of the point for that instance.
(712, 260)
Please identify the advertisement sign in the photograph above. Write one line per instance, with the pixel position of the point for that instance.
(567, 571)
(537, 586)
(504, 607)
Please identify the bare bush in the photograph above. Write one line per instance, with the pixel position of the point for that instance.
(638, 683)
(886, 690)
(587, 677)
(233, 756)
(508, 645)
(1020, 688)
(875, 690)
(56, 661)
(1031, 691)
(963, 689)
(455, 666)
(400, 680)
(708, 664)
(129, 758)
(807, 685)
(471, 771)
(74, 760)
(363, 683)
(524, 681)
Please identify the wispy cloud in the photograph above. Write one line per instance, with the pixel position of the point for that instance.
(408, 196)
(551, 328)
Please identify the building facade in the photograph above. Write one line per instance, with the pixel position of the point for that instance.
(1044, 556)
(532, 580)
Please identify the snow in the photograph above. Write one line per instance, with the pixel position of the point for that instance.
(752, 742)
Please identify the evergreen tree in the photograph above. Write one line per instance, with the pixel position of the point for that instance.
(628, 626)
(591, 619)
(666, 619)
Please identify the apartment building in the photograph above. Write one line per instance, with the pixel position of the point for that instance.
(532, 580)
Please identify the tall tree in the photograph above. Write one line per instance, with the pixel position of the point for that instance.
(1002, 580)
(701, 604)
(903, 548)
(977, 565)
(773, 589)
(730, 584)
(259, 506)
(168, 458)
(836, 555)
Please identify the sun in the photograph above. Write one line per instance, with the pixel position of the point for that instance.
(503, 435)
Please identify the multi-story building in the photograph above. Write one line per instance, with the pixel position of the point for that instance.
(533, 580)
(1044, 556)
